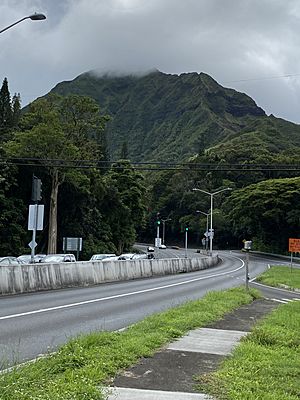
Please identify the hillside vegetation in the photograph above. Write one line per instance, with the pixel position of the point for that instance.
(167, 117)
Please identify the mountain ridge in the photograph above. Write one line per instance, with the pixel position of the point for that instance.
(167, 117)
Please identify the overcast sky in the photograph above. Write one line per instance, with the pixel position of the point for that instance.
(248, 45)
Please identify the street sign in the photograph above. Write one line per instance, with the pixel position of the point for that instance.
(35, 217)
(157, 242)
(208, 234)
(72, 244)
(32, 244)
(294, 245)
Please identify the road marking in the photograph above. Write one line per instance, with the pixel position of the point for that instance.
(280, 301)
(273, 287)
(118, 296)
(296, 298)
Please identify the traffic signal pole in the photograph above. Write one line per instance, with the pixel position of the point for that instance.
(186, 241)
(36, 196)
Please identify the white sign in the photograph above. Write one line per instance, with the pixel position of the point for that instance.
(157, 242)
(209, 234)
(35, 217)
(32, 244)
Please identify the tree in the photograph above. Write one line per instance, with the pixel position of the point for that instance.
(124, 204)
(16, 110)
(267, 212)
(124, 151)
(56, 130)
(5, 110)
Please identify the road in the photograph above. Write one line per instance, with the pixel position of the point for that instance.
(34, 324)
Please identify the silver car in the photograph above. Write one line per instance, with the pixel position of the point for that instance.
(99, 257)
(58, 258)
(9, 260)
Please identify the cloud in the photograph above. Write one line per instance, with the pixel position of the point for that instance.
(235, 41)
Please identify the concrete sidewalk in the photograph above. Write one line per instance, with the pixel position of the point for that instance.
(169, 374)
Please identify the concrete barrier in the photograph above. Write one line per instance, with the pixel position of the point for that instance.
(36, 277)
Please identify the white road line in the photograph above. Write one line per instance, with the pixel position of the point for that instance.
(280, 301)
(296, 298)
(117, 296)
(287, 299)
(272, 287)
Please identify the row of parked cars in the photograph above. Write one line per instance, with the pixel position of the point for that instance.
(59, 258)
(38, 258)
(122, 257)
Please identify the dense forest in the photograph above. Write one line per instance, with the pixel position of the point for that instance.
(113, 152)
(50, 140)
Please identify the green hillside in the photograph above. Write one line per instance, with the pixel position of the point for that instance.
(167, 117)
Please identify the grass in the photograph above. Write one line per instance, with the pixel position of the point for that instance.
(266, 364)
(80, 369)
(281, 277)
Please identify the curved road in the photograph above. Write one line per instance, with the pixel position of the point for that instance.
(36, 323)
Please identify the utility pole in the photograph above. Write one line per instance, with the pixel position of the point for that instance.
(247, 248)
(186, 241)
(36, 196)
(164, 228)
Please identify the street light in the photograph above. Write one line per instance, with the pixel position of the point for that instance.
(33, 17)
(207, 215)
(164, 223)
(211, 212)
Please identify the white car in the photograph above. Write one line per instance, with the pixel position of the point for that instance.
(162, 246)
(126, 256)
(58, 258)
(150, 249)
(100, 257)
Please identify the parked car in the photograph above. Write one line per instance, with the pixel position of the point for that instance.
(126, 256)
(162, 246)
(9, 260)
(26, 258)
(150, 249)
(99, 257)
(139, 256)
(58, 258)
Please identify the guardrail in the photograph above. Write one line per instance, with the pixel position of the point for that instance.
(36, 277)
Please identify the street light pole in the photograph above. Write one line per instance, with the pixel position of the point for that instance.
(164, 222)
(33, 17)
(211, 214)
(207, 215)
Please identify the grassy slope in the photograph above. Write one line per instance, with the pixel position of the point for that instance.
(78, 369)
(278, 276)
(265, 366)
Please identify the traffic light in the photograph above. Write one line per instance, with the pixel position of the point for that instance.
(36, 193)
(158, 218)
(186, 229)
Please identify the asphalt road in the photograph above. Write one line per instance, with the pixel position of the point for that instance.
(34, 324)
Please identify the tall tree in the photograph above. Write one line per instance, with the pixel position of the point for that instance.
(5, 110)
(56, 130)
(124, 151)
(16, 109)
(125, 204)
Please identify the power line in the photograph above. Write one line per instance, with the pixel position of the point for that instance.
(150, 166)
(262, 78)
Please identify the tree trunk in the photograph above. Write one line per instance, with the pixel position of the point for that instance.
(52, 235)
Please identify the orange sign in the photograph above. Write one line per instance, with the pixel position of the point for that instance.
(294, 245)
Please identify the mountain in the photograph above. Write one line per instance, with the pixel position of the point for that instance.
(164, 117)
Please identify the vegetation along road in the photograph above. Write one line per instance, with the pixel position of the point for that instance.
(34, 324)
